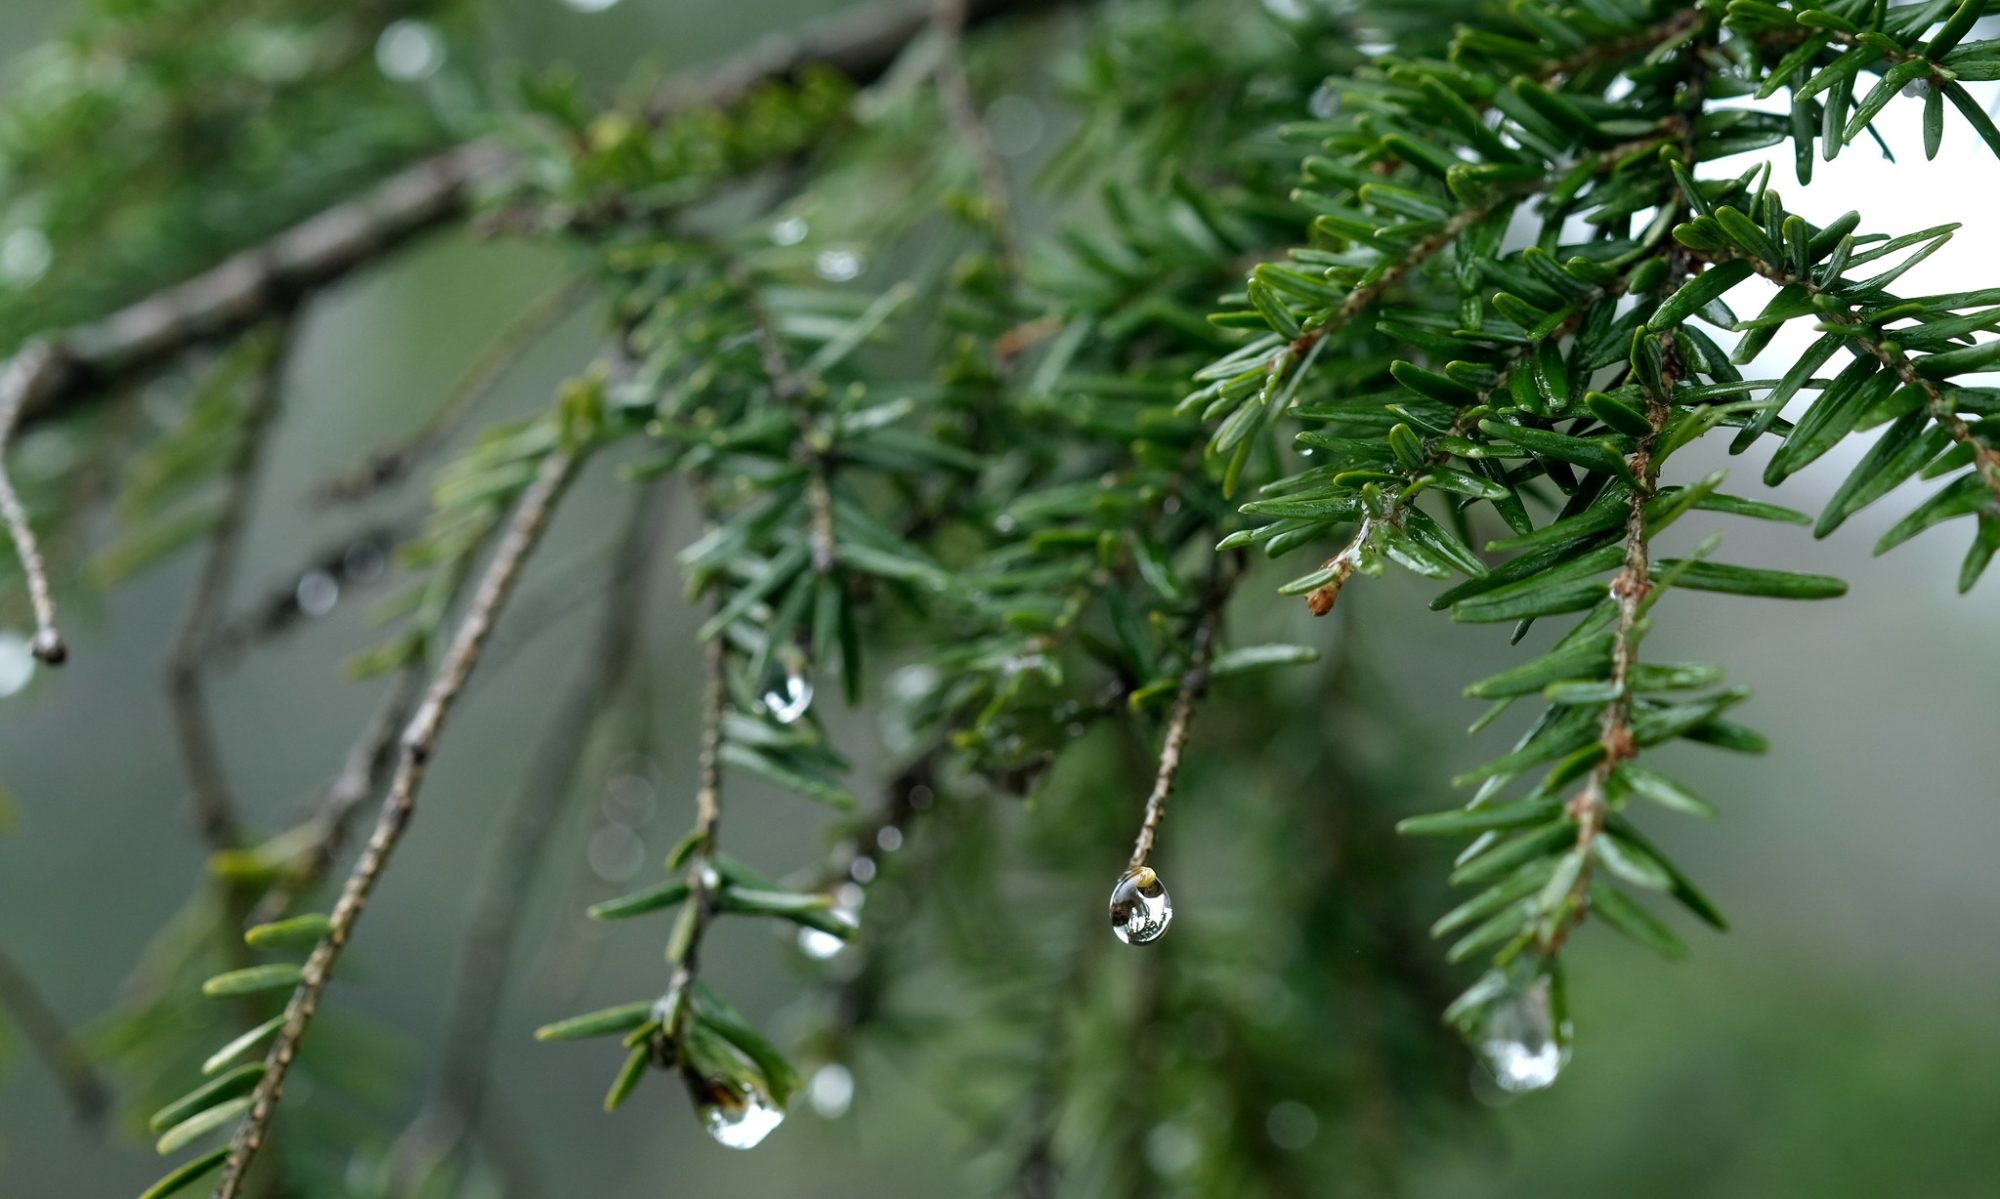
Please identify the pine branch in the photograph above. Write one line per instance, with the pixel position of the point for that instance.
(60, 370)
(523, 532)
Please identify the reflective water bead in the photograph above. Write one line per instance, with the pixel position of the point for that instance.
(1520, 1041)
(1140, 907)
(787, 698)
(17, 663)
(735, 1114)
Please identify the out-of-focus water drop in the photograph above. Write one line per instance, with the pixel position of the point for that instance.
(409, 50)
(17, 663)
(590, 5)
(790, 694)
(831, 1090)
(789, 231)
(1520, 1041)
(25, 254)
(616, 853)
(838, 265)
(316, 593)
(1291, 1125)
(1140, 907)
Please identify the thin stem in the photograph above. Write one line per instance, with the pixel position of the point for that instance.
(458, 1099)
(523, 532)
(43, 1029)
(392, 463)
(962, 110)
(201, 752)
(17, 382)
(1194, 681)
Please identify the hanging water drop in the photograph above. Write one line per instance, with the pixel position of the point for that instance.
(1140, 907)
(788, 698)
(819, 944)
(1521, 1041)
(735, 1114)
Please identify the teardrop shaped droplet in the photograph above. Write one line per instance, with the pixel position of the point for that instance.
(1140, 907)
(787, 697)
(736, 1115)
(1521, 1040)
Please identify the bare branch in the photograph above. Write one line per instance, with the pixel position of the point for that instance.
(200, 753)
(523, 532)
(43, 1029)
(1194, 681)
(17, 381)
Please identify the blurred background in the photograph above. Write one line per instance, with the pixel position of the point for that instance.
(1840, 1041)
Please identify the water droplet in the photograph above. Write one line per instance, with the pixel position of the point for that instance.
(1172, 1149)
(862, 871)
(888, 838)
(630, 799)
(409, 50)
(1520, 1041)
(590, 5)
(1917, 87)
(1291, 1125)
(789, 232)
(616, 853)
(1015, 124)
(837, 266)
(17, 663)
(818, 944)
(788, 698)
(1140, 907)
(1004, 523)
(1325, 101)
(316, 593)
(831, 1091)
(25, 255)
(736, 1114)
(921, 797)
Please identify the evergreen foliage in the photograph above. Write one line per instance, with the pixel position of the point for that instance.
(1430, 285)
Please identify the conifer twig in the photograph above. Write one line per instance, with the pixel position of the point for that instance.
(17, 382)
(1194, 681)
(496, 585)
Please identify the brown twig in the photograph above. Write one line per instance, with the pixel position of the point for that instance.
(522, 533)
(1194, 681)
(17, 381)
(44, 1031)
(201, 753)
